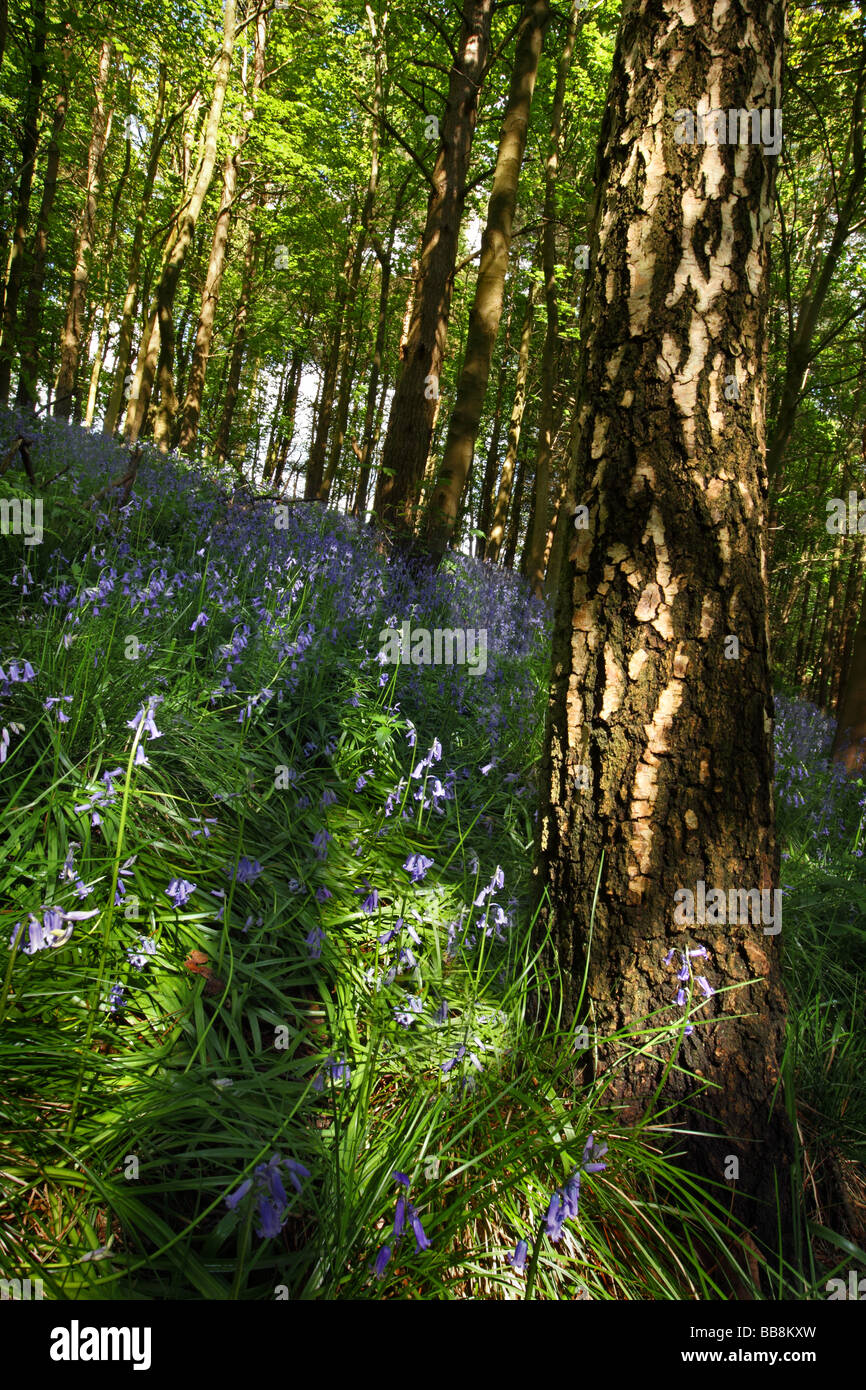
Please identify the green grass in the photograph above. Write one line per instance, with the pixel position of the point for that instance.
(123, 1132)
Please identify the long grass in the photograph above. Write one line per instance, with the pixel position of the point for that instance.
(306, 935)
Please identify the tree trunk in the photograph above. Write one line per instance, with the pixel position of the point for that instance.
(27, 144)
(658, 764)
(801, 353)
(130, 303)
(514, 519)
(489, 288)
(223, 441)
(168, 280)
(497, 529)
(105, 320)
(319, 445)
(216, 264)
(537, 541)
(28, 335)
(413, 408)
(488, 482)
(70, 343)
(849, 742)
(365, 455)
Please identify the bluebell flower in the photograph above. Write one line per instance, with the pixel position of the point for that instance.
(518, 1259)
(179, 891)
(554, 1220)
(416, 866)
(421, 1241)
(382, 1259)
(314, 941)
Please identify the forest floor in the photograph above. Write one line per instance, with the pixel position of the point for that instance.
(267, 902)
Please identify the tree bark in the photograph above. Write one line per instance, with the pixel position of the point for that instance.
(130, 302)
(318, 448)
(27, 144)
(191, 413)
(500, 514)
(490, 286)
(223, 440)
(168, 280)
(28, 335)
(658, 763)
(537, 542)
(70, 343)
(413, 408)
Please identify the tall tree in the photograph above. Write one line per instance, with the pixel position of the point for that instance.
(191, 413)
(166, 288)
(413, 409)
(28, 141)
(658, 765)
(537, 543)
(490, 286)
(28, 333)
(73, 328)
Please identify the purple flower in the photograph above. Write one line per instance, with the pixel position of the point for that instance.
(592, 1154)
(421, 1241)
(416, 866)
(270, 1192)
(401, 1178)
(138, 959)
(399, 1216)
(115, 999)
(370, 903)
(247, 871)
(518, 1259)
(554, 1221)
(382, 1259)
(313, 941)
(321, 840)
(199, 622)
(179, 891)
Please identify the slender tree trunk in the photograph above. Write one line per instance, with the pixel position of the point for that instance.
(797, 670)
(319, 445)
(488, 483)
(28, 335)
(130, 303)
(105, 315)
(223, 440)
(514, 519)
(658, 766)
(170, 276)
(191, 413)
(497, 529)
(801, 352)
(70, 346)
(537, 540)
(489, 288)
(410, 425)
(849, 742)
(365, 455)
(27, 144)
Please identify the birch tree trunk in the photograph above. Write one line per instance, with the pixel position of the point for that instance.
(658, 766)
